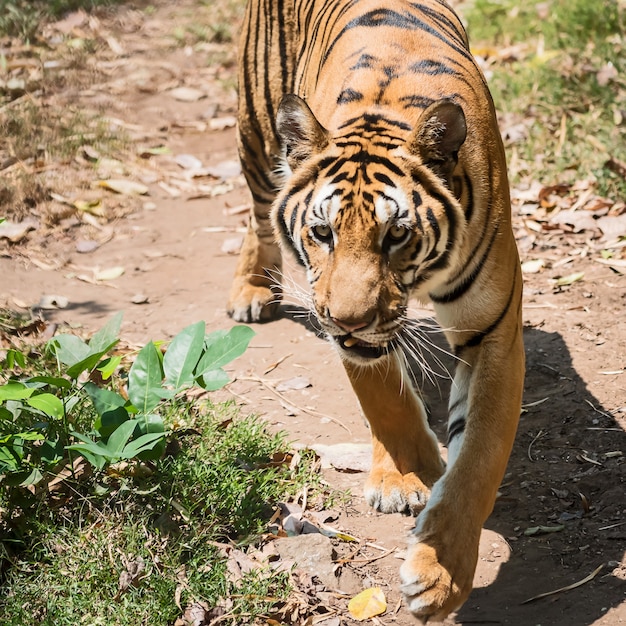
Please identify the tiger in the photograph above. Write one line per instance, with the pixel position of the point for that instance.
(369, 141)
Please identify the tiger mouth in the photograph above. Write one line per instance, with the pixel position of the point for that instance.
(362, 349)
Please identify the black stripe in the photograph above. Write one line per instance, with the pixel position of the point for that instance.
(478, 337)
(349, 95)
(468, 281)
(455, 429)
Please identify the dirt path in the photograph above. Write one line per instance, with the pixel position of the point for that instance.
(567, 469)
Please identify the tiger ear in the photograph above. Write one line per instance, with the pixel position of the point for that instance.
(440, 132)
(300, 134)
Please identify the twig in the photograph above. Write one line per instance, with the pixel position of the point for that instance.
(598, 410)
(569, 587)
(370, 560)
(256, 379)
(612, 526)
(541, 433)
(273, 366)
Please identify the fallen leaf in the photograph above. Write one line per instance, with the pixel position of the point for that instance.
(124, 186)
(369, 603)
(84, 246)
(16, 231)
(293, 384)
(533, 266)
(221, 123)
(225, 169)
(139, 298)
(91, 206)
(187, 94)
(612, 226)
(579, 221)
(232, 245)
(110, 273)
(188, 161)
(53, 302)
(345, 457)
(569, 279)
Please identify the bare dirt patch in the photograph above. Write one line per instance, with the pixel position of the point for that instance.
(562, 509)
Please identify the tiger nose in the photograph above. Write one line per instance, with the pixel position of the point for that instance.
(350, 326)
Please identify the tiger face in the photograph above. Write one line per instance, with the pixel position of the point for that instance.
(370, 212)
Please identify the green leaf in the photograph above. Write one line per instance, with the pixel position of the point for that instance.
(29, 436)
(15, 391)
(152, 424)
(94, 453)
(107, 336)
(214, 380)
(14, 357)
(108, 366)
(110, 407)
(222, 348)
(119, 438)
(103, 399)
(8, 462)
(88, 363)
(53, 381)
(144, 443)
(69, 349)
(48, 403)
(182, 356)
(50, 452)
(145, 379)
(33, 478)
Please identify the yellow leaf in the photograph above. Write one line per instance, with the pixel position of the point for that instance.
(124, 186)
(570, 279)
(369, 603)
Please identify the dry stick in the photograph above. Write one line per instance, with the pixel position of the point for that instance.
(541, 433)
(256, 379)
(569, 587)
(364, 561)
(598, 410)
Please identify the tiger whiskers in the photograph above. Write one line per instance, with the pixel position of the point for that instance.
(416, 345)
(292, 293)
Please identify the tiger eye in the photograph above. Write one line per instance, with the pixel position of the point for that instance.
(397, 234)
(322, 232)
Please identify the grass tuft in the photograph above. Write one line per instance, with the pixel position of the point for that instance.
(65, 558)
(562, 78)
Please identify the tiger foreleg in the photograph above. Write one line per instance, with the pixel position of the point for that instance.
(485, 403)
(255, 292)
(405, 455)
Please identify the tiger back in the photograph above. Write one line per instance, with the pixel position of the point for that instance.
(369, 141)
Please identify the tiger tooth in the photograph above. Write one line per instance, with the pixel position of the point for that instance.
(350, 341)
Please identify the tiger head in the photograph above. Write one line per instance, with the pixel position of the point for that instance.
(370, 212)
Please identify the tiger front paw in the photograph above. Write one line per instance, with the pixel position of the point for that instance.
(393, 492)
(437, 579)
(253, 303)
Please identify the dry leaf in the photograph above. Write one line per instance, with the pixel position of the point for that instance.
(533, 266)
(232, 245)
(53, 302)
(124, 186)
(110, 273)
(188, 161)
(293, 384)
(187, 94)
(16, 231)
(369, 603)
(569, 279)
(220, 123)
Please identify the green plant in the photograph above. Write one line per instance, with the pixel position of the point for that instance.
(563, 79)
(38, 412)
